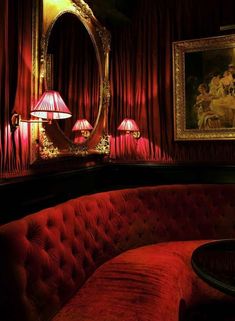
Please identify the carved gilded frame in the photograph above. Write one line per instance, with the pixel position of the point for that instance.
(45, 14)
(201, 113)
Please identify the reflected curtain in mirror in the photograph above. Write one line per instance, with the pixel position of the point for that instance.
(75, 70)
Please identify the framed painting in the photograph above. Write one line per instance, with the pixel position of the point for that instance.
(204, 88)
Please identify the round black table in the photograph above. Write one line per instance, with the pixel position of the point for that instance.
(214, 262)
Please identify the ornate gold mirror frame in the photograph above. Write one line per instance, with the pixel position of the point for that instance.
(48, 141)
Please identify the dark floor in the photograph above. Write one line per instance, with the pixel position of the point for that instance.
(212, 312)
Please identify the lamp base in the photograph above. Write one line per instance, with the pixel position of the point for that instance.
(136, 134)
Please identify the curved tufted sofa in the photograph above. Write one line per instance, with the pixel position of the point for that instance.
(121, 255)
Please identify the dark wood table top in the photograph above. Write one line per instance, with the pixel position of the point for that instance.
(214, 262)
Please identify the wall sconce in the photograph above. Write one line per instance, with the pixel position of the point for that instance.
(51, 106)
(83, 126)
(130, 127)
(14, 121)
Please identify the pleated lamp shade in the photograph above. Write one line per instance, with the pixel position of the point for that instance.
(129, 125)
(82, 124)
(51, 106)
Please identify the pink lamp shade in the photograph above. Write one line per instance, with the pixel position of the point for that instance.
(82, 124)
(51, 106)
(128, 125)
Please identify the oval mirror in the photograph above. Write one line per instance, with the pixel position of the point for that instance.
(75, 74)
(74, 61)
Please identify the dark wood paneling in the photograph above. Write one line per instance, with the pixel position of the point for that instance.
(24, 195)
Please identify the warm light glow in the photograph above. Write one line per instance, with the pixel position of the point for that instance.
(128, 125)
(82, 124)
(52, 8)
(51, 106)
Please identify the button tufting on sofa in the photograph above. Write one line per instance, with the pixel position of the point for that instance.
(50, 223)
(95, 248)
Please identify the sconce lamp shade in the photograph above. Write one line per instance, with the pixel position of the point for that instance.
(51, 106)
(128, 125)
(82, 124)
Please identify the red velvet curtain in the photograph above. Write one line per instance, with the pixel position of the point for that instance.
(15, 82)
(134, 86)
(75, 70)
(142, 79)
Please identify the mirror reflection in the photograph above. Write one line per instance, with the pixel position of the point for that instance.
(75, 75)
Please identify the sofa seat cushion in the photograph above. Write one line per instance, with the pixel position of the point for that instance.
(149, 283)
(202, 292)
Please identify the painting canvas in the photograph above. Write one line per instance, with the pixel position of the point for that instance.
(204, 88)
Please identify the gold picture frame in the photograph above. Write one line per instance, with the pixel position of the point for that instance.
(204, 88)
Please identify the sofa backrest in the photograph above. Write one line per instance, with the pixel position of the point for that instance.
(47, 256)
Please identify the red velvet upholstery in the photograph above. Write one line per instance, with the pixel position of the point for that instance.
(47, 256)
(146, 283)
